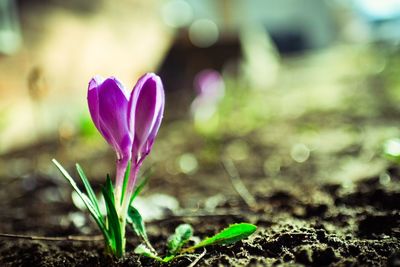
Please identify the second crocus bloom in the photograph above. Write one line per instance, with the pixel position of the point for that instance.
(129, 123)
(146, 112)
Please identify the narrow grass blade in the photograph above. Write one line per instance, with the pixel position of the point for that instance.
(139, 188)
(113, 219)
(110, 229)
(97, 217)
(126, 180)
(89, 189)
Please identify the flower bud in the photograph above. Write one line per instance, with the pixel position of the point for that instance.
(108, 105)
(146, 112)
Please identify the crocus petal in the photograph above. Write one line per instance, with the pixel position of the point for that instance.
(108, 105)
(156, 126)
(146, 107)
(93, 99)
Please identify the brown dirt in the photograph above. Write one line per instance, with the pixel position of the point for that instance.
(340, 227)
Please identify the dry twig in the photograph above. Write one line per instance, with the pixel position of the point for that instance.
(55, 238)
(237, 182)
(198, 258)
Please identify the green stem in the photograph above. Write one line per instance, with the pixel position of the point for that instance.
(129, 190)
(122, 165)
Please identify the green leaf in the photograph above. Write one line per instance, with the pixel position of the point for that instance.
(113, 219)
(145, 251)
(168, 258)
(88, 188)
(182, 235)
(97, 217)
(110, 189)
(126, 180)
(229, 235)
(136, 220)
(139, 188)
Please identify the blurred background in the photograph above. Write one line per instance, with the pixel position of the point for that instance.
(282, 88)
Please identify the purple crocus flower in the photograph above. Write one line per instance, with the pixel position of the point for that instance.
(108, 106)
(210, 89)
(128, 123)
(146, 111)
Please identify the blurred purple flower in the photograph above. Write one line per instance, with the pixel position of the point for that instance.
(210, 89)
(128, 123)
(209, 85)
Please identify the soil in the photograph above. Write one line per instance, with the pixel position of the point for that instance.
(358, 227)
(338, 204)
